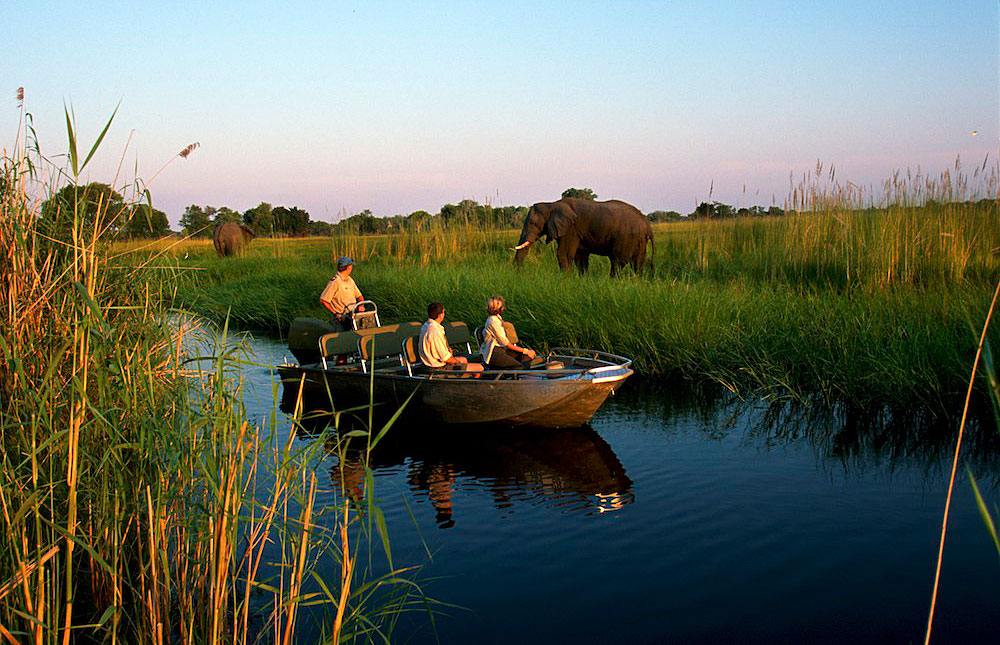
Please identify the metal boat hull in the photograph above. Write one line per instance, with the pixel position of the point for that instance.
(531, 401)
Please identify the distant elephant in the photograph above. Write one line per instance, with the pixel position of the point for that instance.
(582, 227)
(230, 238)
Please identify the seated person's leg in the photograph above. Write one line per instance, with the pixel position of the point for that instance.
(504, 359)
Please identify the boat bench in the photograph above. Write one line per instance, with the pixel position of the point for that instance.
(348, 343)
(385, 342)
(388, 341)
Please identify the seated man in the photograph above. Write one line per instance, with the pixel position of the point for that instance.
(341, 294)
(433, 346)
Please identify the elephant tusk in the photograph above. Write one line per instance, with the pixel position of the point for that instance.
(520, 246)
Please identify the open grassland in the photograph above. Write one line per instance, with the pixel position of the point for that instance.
(850, 304)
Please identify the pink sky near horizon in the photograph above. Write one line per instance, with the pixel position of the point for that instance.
(340, 107)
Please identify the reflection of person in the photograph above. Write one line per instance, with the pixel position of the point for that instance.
(434, 350)
(440, 484)
(499, 352)
(341, 294)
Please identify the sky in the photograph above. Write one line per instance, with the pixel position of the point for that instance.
(337, 107)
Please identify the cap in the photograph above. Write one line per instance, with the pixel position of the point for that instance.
(344, 262)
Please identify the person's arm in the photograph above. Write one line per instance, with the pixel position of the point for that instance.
(501, 336)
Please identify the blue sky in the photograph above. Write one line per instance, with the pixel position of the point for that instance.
(400, 106)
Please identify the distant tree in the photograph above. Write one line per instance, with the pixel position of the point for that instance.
(418, 220)
(293, 222)
(360, 223)
(509, 216)
(579, 193)
(196, 221)
(225, 214)
(146, 222)
(260, 219)
(664, 216)
(85, 203)
(715, 210)
(320, 228)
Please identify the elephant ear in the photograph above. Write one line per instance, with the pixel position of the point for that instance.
(560, 221)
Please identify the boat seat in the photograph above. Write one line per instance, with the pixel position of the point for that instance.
(411, 358)
(337, 343)
(382, 344)
(457, 333)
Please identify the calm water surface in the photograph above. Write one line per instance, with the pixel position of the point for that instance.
(676, 517)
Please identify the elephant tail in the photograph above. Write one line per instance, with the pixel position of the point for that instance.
(652, 254)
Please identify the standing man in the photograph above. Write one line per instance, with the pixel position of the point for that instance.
(434, 350)
(341, 294)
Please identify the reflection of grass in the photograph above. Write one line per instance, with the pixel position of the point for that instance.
(134, 508)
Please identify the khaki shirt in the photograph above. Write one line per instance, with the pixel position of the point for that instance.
(340, 292)
(493, 336)
(434, 350)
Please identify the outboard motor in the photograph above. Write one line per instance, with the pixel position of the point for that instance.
(303, 338)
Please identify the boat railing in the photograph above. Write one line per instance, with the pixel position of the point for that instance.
(614, 360)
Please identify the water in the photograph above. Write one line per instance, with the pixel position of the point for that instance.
(685, 517)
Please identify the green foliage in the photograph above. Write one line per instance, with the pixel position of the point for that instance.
(579, 193)
(293, 222)
(83, 204)
(664, 216)
(146, 222)
(225, 214)
(260, 220)
(197, 221)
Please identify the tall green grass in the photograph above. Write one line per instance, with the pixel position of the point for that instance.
(138, 502)
(797, 336)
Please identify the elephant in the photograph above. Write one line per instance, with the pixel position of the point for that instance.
(582, 227)
(230, 238)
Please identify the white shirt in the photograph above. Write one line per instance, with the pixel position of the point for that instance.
(434, 349)
(493, 336)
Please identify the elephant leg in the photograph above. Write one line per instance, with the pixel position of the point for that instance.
(582, 261)
(566, 253)
(616, 266)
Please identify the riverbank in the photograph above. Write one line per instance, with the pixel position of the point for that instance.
(867, 307)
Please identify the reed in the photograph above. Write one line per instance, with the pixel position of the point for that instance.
(138, 502)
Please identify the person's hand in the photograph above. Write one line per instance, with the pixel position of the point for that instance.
(530, 353)
(461, 360)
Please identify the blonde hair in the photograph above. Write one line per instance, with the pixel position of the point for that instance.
(495, 305)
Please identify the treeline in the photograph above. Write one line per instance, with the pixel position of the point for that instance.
(265, 220)
(81, 204)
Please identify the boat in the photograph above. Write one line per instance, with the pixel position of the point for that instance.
(347, 369)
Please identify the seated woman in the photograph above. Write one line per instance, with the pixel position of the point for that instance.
(499, 352)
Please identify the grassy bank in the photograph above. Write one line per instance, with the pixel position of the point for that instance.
(867, 305)
(138, 502)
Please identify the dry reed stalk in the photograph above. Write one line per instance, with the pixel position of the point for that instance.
(954, 463)
(346, 573)
(300, 563)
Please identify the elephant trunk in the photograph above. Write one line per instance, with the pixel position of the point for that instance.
(522, 249)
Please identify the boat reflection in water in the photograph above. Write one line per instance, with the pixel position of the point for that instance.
(571, 469)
